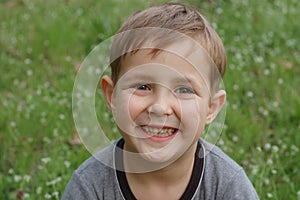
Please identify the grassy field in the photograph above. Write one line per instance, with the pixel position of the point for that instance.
(42, 44)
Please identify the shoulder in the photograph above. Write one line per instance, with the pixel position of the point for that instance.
(98, 164)
(223, 177)
(93, 178)
(218, 160)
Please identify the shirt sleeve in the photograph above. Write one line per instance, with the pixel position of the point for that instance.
(240, 188)
(79, 188)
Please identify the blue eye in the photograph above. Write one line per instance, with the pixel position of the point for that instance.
(184, 90)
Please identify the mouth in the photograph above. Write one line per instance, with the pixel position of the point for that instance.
(159, 132)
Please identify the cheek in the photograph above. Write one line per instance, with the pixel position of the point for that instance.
(126, 111)
(121, 109)
(193, 113)
(136, 106)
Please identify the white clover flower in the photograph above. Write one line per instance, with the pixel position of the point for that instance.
(46, 160)
(238, 56)
(67, 164)
(267, 181)
(38, 91)
(275, 104)
(11, 171)
(242, 151)
(55, 132)
(43, 120)
(221, 142)
(270, 162)
(55, 194)
(274, 171)
(53, 182)
(29, 72)
(258, 59)
(62, 116)
(259, 149)
(275, 148)
(46, 140)
(115, 130)
(58, 179)
(219, 11)
(234, 106)
(235, 87)
(267, 146)
(294, 148)
(269, 195)
(13, 124)
(26, 195)
(68, 58)
(27, 178)
(267, 72)
(255, 169)
(49, 183)
(48, 196)
(235, 138)
(17, 178)
(250, 94)
(27, 61)
(39, 190)
(283, 146)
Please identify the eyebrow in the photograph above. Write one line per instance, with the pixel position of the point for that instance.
(188, 79)
(137, 77)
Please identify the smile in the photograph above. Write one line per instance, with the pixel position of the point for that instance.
(159, 132)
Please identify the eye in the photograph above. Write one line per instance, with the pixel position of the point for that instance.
(143, 87)
(184, 90)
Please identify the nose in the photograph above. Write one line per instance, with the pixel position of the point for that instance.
(162, 104)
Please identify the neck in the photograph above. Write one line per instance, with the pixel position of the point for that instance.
(179, 170)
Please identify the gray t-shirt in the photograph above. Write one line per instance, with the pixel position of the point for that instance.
(215, 176)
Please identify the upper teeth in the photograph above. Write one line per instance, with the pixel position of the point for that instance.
(163, 132)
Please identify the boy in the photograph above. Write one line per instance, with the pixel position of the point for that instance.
(167, 63)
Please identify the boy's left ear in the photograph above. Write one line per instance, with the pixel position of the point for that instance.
(217, 102)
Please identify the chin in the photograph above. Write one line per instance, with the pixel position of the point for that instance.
(162, 155)
(157, 158)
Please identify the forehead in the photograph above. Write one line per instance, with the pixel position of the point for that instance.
(182, 58)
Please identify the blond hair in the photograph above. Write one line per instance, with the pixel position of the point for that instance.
(168, 16)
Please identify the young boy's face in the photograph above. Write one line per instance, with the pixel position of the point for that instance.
(161, 104)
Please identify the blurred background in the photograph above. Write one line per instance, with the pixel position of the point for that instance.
(43, 43)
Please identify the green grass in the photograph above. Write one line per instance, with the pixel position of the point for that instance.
(43, 42)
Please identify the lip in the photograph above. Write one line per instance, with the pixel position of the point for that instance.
(158, 139)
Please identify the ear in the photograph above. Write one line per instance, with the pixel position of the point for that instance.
(107, 87)
(216, 104)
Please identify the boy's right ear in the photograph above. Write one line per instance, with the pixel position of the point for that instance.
(107, 87)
